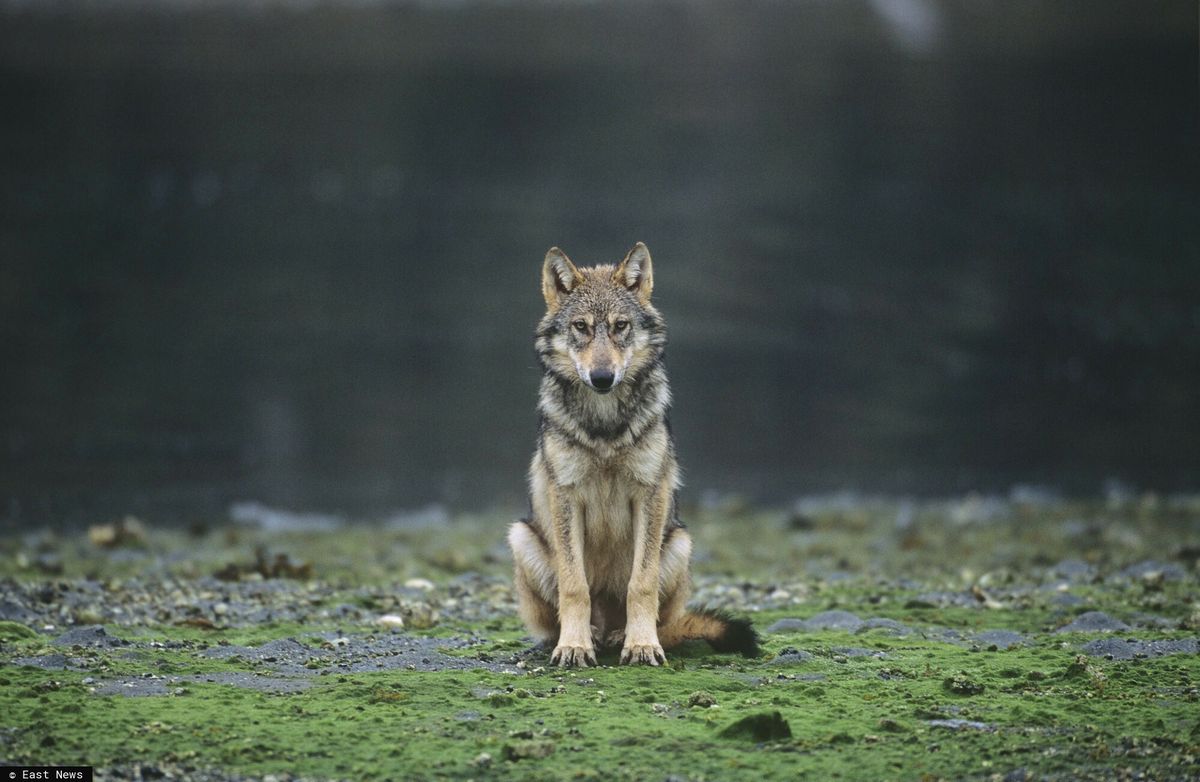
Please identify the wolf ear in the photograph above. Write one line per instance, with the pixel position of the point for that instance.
(636, 272)
(559, 277)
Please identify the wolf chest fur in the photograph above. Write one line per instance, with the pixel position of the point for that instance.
(602, 560)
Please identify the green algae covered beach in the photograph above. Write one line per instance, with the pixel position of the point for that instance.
(1010, 638)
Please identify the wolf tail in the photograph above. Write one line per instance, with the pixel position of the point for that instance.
(722, 632)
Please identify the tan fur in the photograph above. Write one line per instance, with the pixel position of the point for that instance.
(602, 559)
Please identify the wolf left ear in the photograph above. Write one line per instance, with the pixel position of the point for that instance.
(636, 272)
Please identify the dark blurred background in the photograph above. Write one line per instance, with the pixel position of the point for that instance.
(290, 252)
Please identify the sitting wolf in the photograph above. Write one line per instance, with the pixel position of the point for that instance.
(603, 560)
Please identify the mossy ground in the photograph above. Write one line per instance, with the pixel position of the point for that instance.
(933, 702)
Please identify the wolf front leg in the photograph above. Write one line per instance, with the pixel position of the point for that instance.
(574, 599)
(641, 602)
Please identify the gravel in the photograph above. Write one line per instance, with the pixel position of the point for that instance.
(957, 724)
(282, 665)
(1129, 648)
(826, 620)
(1001, 639)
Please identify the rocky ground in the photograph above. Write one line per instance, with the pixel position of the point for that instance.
(1023, 637)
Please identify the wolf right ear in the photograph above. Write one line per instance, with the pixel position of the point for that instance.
(559, 277)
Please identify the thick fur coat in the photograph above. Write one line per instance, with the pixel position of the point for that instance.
(603, 559)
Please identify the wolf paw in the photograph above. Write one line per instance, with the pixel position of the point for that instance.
(646, 654)
(569, 656)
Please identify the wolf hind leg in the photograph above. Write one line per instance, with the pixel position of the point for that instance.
(674, 576)
(535, 581)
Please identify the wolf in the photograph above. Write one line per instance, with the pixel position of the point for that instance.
(603, 560)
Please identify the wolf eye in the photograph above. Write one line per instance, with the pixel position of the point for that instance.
(580, 326)
(621, 325)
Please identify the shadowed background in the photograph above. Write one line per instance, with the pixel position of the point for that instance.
(290, 252)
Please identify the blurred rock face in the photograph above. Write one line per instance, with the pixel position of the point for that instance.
(901, 248)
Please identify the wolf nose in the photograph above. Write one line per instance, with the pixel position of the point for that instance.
(601, 380)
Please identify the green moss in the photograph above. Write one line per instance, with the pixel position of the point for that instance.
(910, 707)
(713, 716)
(11, 631)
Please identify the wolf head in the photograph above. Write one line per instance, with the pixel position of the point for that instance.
(600, 328)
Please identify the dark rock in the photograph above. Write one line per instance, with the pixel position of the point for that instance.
(767, 726)
(946, 635)
(1093, 622)
(1155, 622)
(962, 684)
(1170, 571)
(791, 656)
(787, 626)
(887, 626)
(48, 662)
(944, 599)
(892, 726)
(1074, 570)
(1001, 639)
(826, 620)
(858, 651)
(49, 563)
(1129, 648)
(15, 612)
(801, 521)
(957, 724)
(92, 635)
(526, 750)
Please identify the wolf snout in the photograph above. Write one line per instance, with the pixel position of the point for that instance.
(602, 380)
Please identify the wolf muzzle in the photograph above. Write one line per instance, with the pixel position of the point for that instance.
(602, 380)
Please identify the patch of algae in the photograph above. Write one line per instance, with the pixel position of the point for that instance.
(929, 703)
(909, 709)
